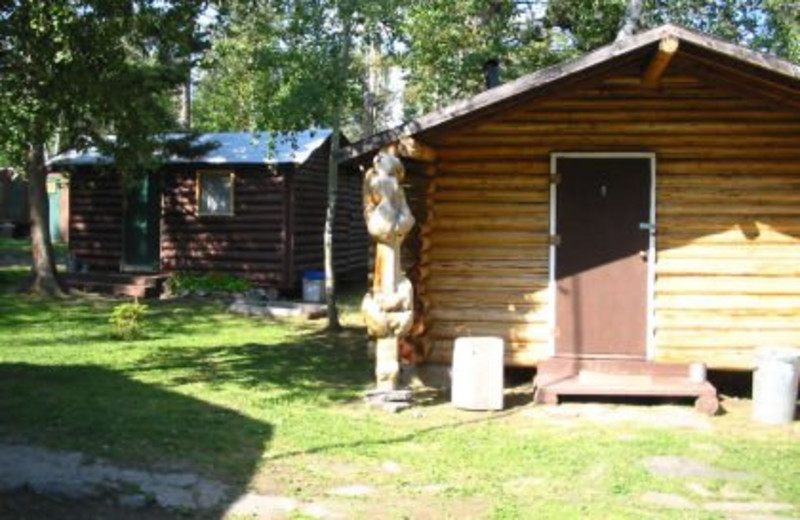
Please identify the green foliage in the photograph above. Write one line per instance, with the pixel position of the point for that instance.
(449, 42)
(128, 320)
(82, 69)
(208, 282)
(279, 65)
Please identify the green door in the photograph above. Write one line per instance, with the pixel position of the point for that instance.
(54, 200)
(140, 248)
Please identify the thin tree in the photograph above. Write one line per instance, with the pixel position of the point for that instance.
(77, 69)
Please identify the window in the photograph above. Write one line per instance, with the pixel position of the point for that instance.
(215, 193)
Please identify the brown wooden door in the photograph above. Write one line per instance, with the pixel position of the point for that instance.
(602, 213)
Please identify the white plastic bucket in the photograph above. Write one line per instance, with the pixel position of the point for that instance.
(775, 384)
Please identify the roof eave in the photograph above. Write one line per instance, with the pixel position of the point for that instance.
(533, 81)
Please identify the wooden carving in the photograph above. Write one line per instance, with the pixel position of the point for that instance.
(388, 307)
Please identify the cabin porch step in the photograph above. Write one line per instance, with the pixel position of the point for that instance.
(118, 284)
(558, 377)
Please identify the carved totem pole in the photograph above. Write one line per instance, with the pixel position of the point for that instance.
(388, 306)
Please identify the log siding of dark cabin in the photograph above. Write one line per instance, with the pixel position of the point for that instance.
(274, 235)
(248, 243)
(310, 192)
(727, 213)
(95, 218)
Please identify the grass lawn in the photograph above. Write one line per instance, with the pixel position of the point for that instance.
(22, 246)
(276, 408)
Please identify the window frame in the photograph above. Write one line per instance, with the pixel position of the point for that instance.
(199, 174)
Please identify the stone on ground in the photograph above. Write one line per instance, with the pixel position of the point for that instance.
(668, 500)
(671, 466)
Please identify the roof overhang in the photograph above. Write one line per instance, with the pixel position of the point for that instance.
(773, 77)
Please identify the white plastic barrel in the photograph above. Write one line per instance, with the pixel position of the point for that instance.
(477, 377)
(775, 384)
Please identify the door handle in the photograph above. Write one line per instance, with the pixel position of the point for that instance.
(643, 254)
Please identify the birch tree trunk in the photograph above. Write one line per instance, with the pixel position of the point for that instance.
(333, 181)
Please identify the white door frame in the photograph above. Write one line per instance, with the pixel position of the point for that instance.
(651, 248)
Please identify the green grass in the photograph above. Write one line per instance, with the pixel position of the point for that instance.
(23, 246)
(276, 407)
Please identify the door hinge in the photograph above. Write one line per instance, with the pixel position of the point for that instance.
(555, 240)
(555, 178)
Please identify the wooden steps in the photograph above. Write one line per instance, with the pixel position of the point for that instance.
(558, 377)
(118, 284)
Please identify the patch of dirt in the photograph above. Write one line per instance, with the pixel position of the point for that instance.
(660, 416)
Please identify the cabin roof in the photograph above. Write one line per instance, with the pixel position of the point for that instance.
(257, 148)
(723, 61)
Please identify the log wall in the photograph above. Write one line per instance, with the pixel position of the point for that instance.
(95, 219)
(249, 243)
(310, 193)
(728, 216)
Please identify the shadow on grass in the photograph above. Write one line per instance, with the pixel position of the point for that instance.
(105, 414)
(315, 366)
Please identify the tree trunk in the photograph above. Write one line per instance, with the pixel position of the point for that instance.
(333, 180)
(330, 216)
(631, 21)
(45, 278)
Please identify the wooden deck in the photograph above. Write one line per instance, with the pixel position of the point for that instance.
(559, 377)
(118, 284)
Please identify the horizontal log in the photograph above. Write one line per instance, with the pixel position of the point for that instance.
(235, 222)
(733, 339)
(244, 239)
(466, 282)
(641, 128)
(443, 210)
(636, 142)
(757, 211)
(205, 264)
(746, 235)
(728, 195)
(516, 354)
(543, 150)
(664, 115)
(577, 103)
(712, 224)
(494, 167)
(667, 183)
(731, 266)
(740, 252)
(512, 334)
(81, 229)
(522, 316)
(714, 358)
(107, 251)
(731, 319)
(488, 268)
(729, 167)
(489, 253)
(467, 223)
(492, 195)
(445, 298)
(466, 238)
(749, 285)
(478, 181)
(754, 303)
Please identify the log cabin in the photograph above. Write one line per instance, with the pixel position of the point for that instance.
(252, 205)
(635, 211)
(14, 218)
